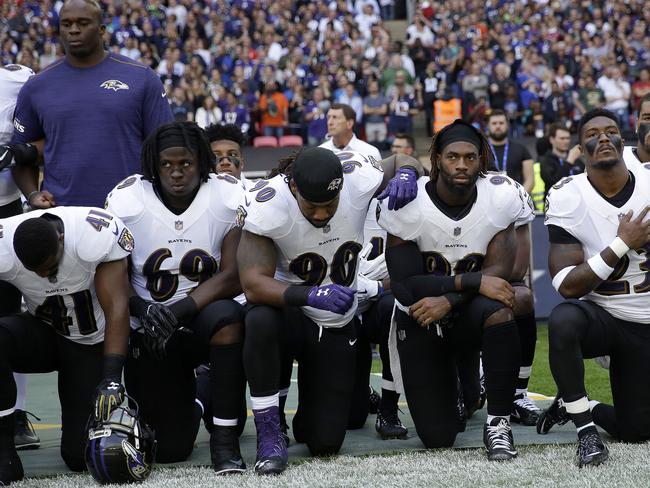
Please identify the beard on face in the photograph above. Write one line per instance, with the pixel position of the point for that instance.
(607, 164)
(455, 188)
(498, 136)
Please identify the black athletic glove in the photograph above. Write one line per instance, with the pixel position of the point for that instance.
(109, 394)
(22, 154)
(159, 324)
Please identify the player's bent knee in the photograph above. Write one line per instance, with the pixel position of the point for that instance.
(323, 449)
(501, 316)
(564, 324)
(260, 326)
(523, 301)
(173, 452)
(74, 461)
(228, 334)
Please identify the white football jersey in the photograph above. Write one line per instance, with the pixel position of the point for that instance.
(307, 255)
(527, 211)
(69, 304)
(630, 156)
(453, 246)
(574, 205)
(12, 78)
(175, 253)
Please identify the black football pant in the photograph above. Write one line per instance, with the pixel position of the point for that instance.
(429, 372)
(165, 390)
(326, 370)
(580, 329)
(9, 294)
(28, 345)
(373, 328)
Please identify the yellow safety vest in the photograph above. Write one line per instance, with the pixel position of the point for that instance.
(538, 188)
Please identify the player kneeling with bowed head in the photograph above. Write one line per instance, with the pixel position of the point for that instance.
(449, 254)
(184, 277)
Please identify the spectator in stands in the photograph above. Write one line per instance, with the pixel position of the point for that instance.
(340, 127)
(315, 111)
(350, 97)
(274, 110)
(182, 108)
(475, 84)
(641, 87)
(589, 96)
(510, 157)
(559, 161)
(375, 109)
(617, 95)
(403, 106)
(208, 113)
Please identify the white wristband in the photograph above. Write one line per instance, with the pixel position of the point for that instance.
(600, 267)
(619, 247)
(558, 279)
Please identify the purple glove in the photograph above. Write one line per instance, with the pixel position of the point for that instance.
(333, 298)
(401, 189)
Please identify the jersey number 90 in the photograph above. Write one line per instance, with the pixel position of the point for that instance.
(312, 267)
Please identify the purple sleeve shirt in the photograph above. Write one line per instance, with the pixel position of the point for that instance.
(94, 121)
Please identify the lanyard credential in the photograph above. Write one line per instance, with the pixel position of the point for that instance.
(501, 167)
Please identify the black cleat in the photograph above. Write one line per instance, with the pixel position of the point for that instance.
(389, 426)
(525, 411)
(497, 437)
(592, 451)
(555, 414)
(11, 469)
(224, 450)
(272, 456)
(373, 401)
(24, 435)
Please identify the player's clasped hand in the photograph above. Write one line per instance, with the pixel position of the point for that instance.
(497, 289)
(108, 396)
(401, 189)
(333, 298)
(429, 310)
(159, 324)
(635, 232)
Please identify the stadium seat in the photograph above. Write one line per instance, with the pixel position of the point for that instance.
(290, 141)
(265, 141)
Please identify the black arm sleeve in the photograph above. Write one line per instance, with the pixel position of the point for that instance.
(558, 235)
(408, 280)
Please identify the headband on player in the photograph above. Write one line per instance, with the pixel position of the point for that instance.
(458, 131)
(175, 136)
(318, 174)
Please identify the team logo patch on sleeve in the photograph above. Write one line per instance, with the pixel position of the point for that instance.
(126, 240)
(240, 216)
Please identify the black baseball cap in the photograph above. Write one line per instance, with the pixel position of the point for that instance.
(318, 174)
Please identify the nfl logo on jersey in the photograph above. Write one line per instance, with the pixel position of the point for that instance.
(456, 231)
(178, 225)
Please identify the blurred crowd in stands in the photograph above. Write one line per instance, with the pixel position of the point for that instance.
(275, 66)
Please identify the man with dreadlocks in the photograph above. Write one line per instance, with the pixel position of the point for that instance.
(184, 276)
(298, 260)
(449, 255)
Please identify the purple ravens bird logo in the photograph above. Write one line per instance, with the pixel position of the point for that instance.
(114, 85)
(136, 463)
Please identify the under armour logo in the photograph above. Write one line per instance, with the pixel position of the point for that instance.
(335, 184)
(401, 335)
(404, 176)
(323, 292)
(113, 386)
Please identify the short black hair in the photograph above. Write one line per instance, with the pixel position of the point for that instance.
(150, 155)
(35, 240)
(592, 114)
(228, 132)
(644, 99)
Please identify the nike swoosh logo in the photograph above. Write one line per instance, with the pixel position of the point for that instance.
(352, 342)
(163, 94)
(115, 231)
(4, 154)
